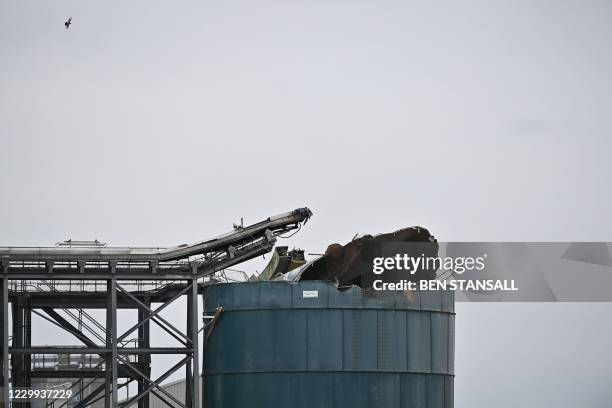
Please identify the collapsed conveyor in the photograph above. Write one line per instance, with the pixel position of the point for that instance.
(202, 258)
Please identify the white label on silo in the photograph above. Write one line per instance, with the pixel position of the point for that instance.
(310, 293)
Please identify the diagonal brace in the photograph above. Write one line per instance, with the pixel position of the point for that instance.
(153, 313)
(66, 325)
(160, 379)
(143, 376)
(155, 316)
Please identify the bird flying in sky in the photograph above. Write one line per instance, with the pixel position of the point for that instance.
(67, 23)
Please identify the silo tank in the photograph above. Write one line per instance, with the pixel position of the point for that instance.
(308, 344)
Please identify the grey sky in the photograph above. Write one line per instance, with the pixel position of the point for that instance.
(156, 123)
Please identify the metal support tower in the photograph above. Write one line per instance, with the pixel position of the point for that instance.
(53, 282)
(123, 358)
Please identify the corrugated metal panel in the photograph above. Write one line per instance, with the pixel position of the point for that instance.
(413, 390)
(451, 344)
(418, 338)
(282, 344)
(392, 341)
(439, 343)
(329, 355)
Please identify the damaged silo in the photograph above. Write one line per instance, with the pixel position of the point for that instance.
(309, 344)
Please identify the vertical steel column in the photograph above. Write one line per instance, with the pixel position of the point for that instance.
(204, 346)
(188, 364)
(17, 359)
(193, 334)
(27, 341)
(144, 360)
(109, 361)
(21, 366)
(5, 346)
(115, 380)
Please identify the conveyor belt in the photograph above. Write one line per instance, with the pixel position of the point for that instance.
(206, 256)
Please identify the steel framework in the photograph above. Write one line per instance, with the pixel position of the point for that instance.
(74, 277)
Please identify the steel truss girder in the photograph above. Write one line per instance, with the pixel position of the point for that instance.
(97, 300)
(195, 269)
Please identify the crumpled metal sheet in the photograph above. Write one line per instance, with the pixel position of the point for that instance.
(350, 264)
(283, 260)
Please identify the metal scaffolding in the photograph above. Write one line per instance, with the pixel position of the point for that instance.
(61, 283)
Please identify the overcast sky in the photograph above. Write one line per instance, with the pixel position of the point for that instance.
(157, 123)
